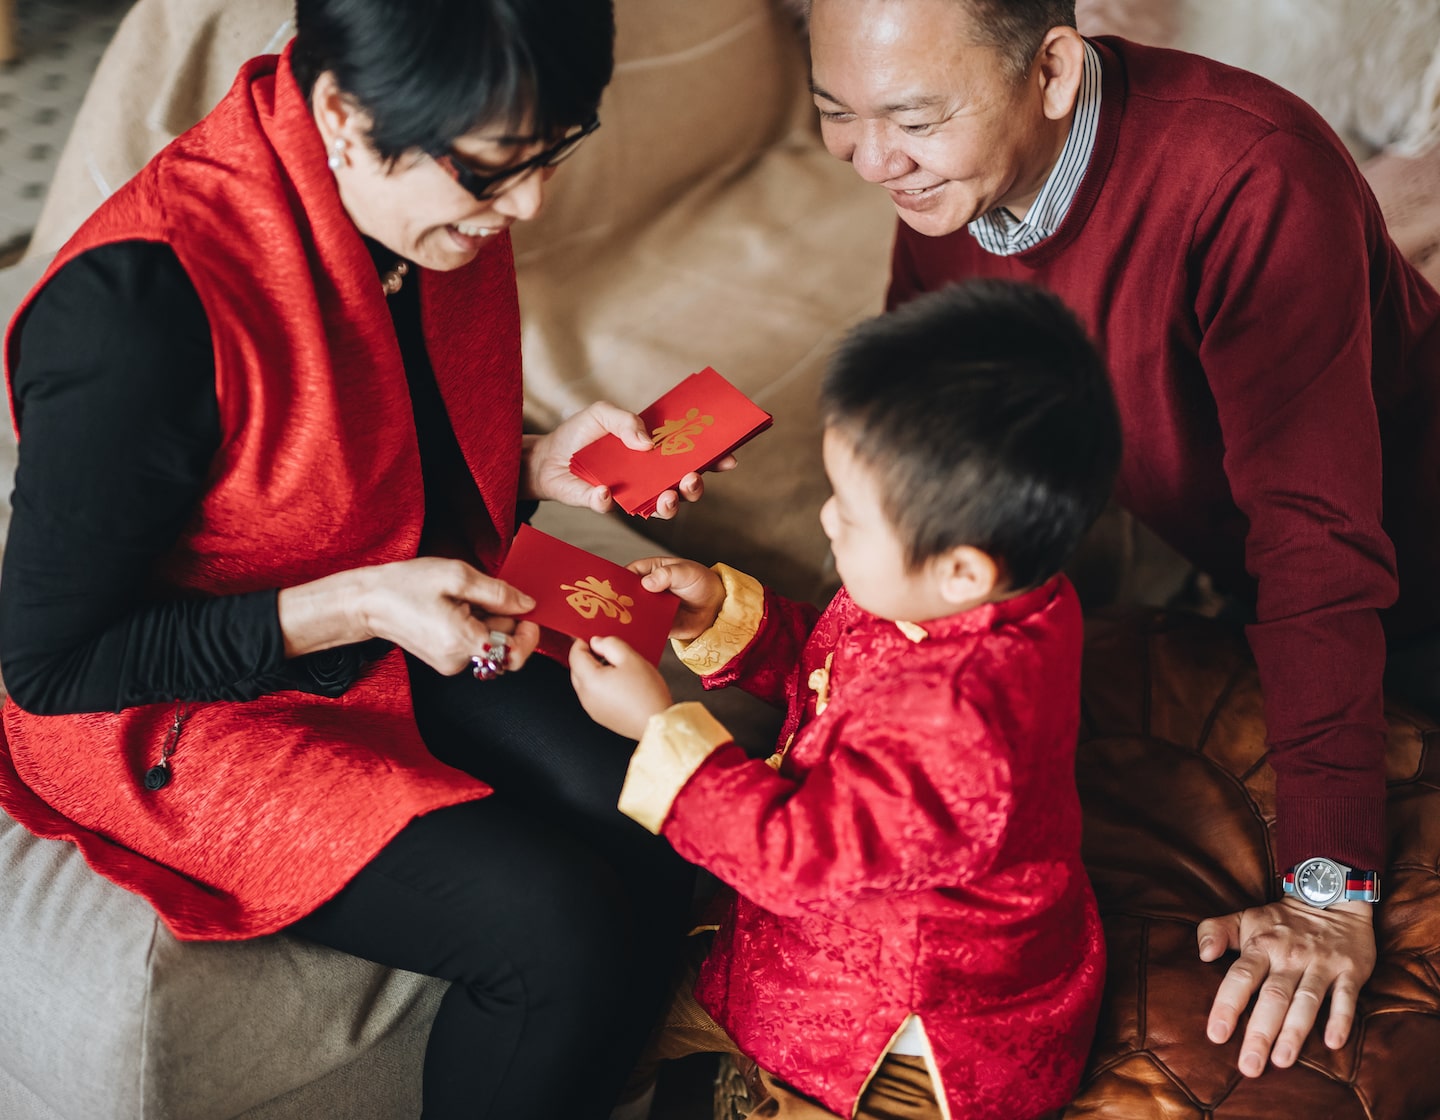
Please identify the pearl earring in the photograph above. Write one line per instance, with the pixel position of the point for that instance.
(337, 154)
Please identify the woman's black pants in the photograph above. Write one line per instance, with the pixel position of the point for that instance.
(555, 918)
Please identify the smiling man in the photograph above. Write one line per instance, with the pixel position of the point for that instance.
(1276, 364)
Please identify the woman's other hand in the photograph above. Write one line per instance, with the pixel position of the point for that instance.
(545, 464)
(618, 687)
(700, 591)
(441, 611)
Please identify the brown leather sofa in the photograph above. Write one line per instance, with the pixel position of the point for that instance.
(1179, 802)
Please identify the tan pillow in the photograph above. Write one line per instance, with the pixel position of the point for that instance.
(168, 64)
(700, 91)
(1408, 188)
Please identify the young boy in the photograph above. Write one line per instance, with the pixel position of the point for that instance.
(913, 922)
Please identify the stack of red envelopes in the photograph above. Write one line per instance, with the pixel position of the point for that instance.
(701, 420)
(580, 595)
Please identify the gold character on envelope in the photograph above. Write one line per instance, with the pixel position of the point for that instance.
(675, 437)
(591, 596)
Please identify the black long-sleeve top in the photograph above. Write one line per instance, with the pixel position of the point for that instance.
(114, 384)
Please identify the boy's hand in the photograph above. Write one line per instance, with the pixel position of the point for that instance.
(699, 590)
(618, 687)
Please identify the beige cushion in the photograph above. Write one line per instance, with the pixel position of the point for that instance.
(108, 1017)
(169, 62)
(1408, 188)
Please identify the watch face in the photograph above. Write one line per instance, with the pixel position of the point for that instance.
(1319, 881)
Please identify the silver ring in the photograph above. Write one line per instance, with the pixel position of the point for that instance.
(489, 663)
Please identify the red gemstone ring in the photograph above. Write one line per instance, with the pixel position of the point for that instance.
(489, 663)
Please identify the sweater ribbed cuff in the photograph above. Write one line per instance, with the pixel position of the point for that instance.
(1348, 829)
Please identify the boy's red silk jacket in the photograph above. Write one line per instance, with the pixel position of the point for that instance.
(917, 850)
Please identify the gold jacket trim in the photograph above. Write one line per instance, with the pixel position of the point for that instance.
(676, 742)
(734, 627)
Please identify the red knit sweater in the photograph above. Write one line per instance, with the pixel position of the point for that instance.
(1274, 357)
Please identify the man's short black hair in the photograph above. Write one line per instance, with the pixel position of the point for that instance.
(429, 71)
(1016, 28)
(986, 415)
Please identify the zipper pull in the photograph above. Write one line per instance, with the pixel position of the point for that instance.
(159, 775)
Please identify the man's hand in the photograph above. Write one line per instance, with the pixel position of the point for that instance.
(545, 461)
(1292, 955)
(618, 687)
(700, 591)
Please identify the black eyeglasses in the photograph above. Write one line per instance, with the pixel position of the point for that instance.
(487, 186)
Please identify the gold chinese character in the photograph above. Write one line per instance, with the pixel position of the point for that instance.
(673, 436)
(594, 596)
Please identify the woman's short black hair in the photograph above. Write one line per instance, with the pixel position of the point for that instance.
(429, 71)
(986, 415)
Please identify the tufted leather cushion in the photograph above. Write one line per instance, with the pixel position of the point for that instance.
(1178, 806)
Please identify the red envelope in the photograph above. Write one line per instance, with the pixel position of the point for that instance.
(580, 595)
(702, 419)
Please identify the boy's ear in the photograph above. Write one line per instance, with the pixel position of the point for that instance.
(966, 575)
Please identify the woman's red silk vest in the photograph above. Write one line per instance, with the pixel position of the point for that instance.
(275, 804)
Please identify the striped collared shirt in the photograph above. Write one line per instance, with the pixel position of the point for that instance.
(998, 231)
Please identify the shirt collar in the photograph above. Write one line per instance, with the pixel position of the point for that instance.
(999, 231)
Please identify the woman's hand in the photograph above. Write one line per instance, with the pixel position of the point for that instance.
(441, 611)
(700, 591)
(1293, 956)
(618, 687)
(545, 461)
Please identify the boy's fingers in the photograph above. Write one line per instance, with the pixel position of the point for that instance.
(581, 659)
(658, 580)
(648, 564)
(614, 650)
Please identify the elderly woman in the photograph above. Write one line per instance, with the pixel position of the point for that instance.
(270, 406)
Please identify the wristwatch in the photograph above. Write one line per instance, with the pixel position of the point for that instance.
(1323, 882)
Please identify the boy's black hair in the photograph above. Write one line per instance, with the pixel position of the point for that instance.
(986, 414)
(429, 71)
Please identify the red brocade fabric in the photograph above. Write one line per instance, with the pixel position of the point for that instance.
(918, 851)
(1276, 363)
(275, 804)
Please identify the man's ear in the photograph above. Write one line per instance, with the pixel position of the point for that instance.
(1059, 65)
(965, 575)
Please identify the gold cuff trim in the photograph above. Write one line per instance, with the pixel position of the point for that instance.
(675, 744)
(734, 627)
